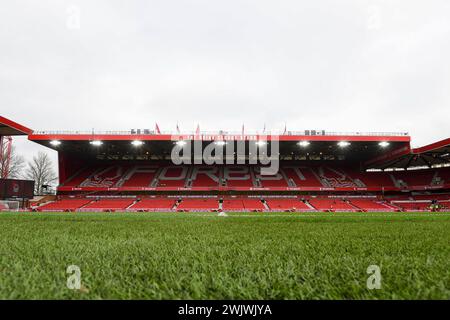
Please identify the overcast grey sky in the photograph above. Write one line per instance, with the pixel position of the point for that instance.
(350, 65)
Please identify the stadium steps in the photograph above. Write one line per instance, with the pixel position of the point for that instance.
(177, 204)
(155, 181)
(253, 178)
(353, 206)
(124, 178)
(42, 200)
(437, 180)
(309, 205)
(88, 179)
(85, 205)
(134, 202)
(72, 177)
(391, 205)
(266, 206)
(291, 183)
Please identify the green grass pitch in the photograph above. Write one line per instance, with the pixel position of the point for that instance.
(242, 256)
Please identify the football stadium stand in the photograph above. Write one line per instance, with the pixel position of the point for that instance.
(286, 204)
(153, 204)
(198, 205)
(166, 177)
(372, 205)
(249, 204)
(318, 171)
(242, 204)
(112, 204)
(332, 204)
(65, 205)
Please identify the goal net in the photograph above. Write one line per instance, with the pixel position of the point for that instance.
(9, 205)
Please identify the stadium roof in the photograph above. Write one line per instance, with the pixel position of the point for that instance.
(11, 128)
(147, 135)
(434, 154)
(321, 144)
(364, 145)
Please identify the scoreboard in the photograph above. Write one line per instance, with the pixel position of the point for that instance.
(23, 189)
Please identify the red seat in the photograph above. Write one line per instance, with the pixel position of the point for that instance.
(65, 205)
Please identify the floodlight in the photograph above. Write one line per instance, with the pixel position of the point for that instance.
(261, 143)
(137, 143)
(304, 144)
(384, 144)
(55, 143)
(96, 143)
(343, 144)
(180, 143)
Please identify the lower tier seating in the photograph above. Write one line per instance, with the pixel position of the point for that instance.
(154, 204)
(287, 205)
(109, 205)
(198, 205)
(406, 202)
(371, 205)
(414, 205)
(65, 205)
(331, 204)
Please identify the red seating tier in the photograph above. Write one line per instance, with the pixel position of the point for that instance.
(370, 205)
(153, 204)
(330, 204)
(199, 204)
(65, 205)
(287, 204)
(318, 176)
(109, 204)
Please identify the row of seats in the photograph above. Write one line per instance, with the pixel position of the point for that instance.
(240, 204)
(123, 176)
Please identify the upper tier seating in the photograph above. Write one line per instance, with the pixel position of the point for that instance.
(78, 178)
(302, 177)
(415, 177)
(336, 178)
(203, 176)
(137, 179)
(105, 177)
(166, 175)
(374, 179)
(173, 177)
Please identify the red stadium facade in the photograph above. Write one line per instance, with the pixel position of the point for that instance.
(317, 171)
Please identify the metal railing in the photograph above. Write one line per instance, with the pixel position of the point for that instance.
(220, 132)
